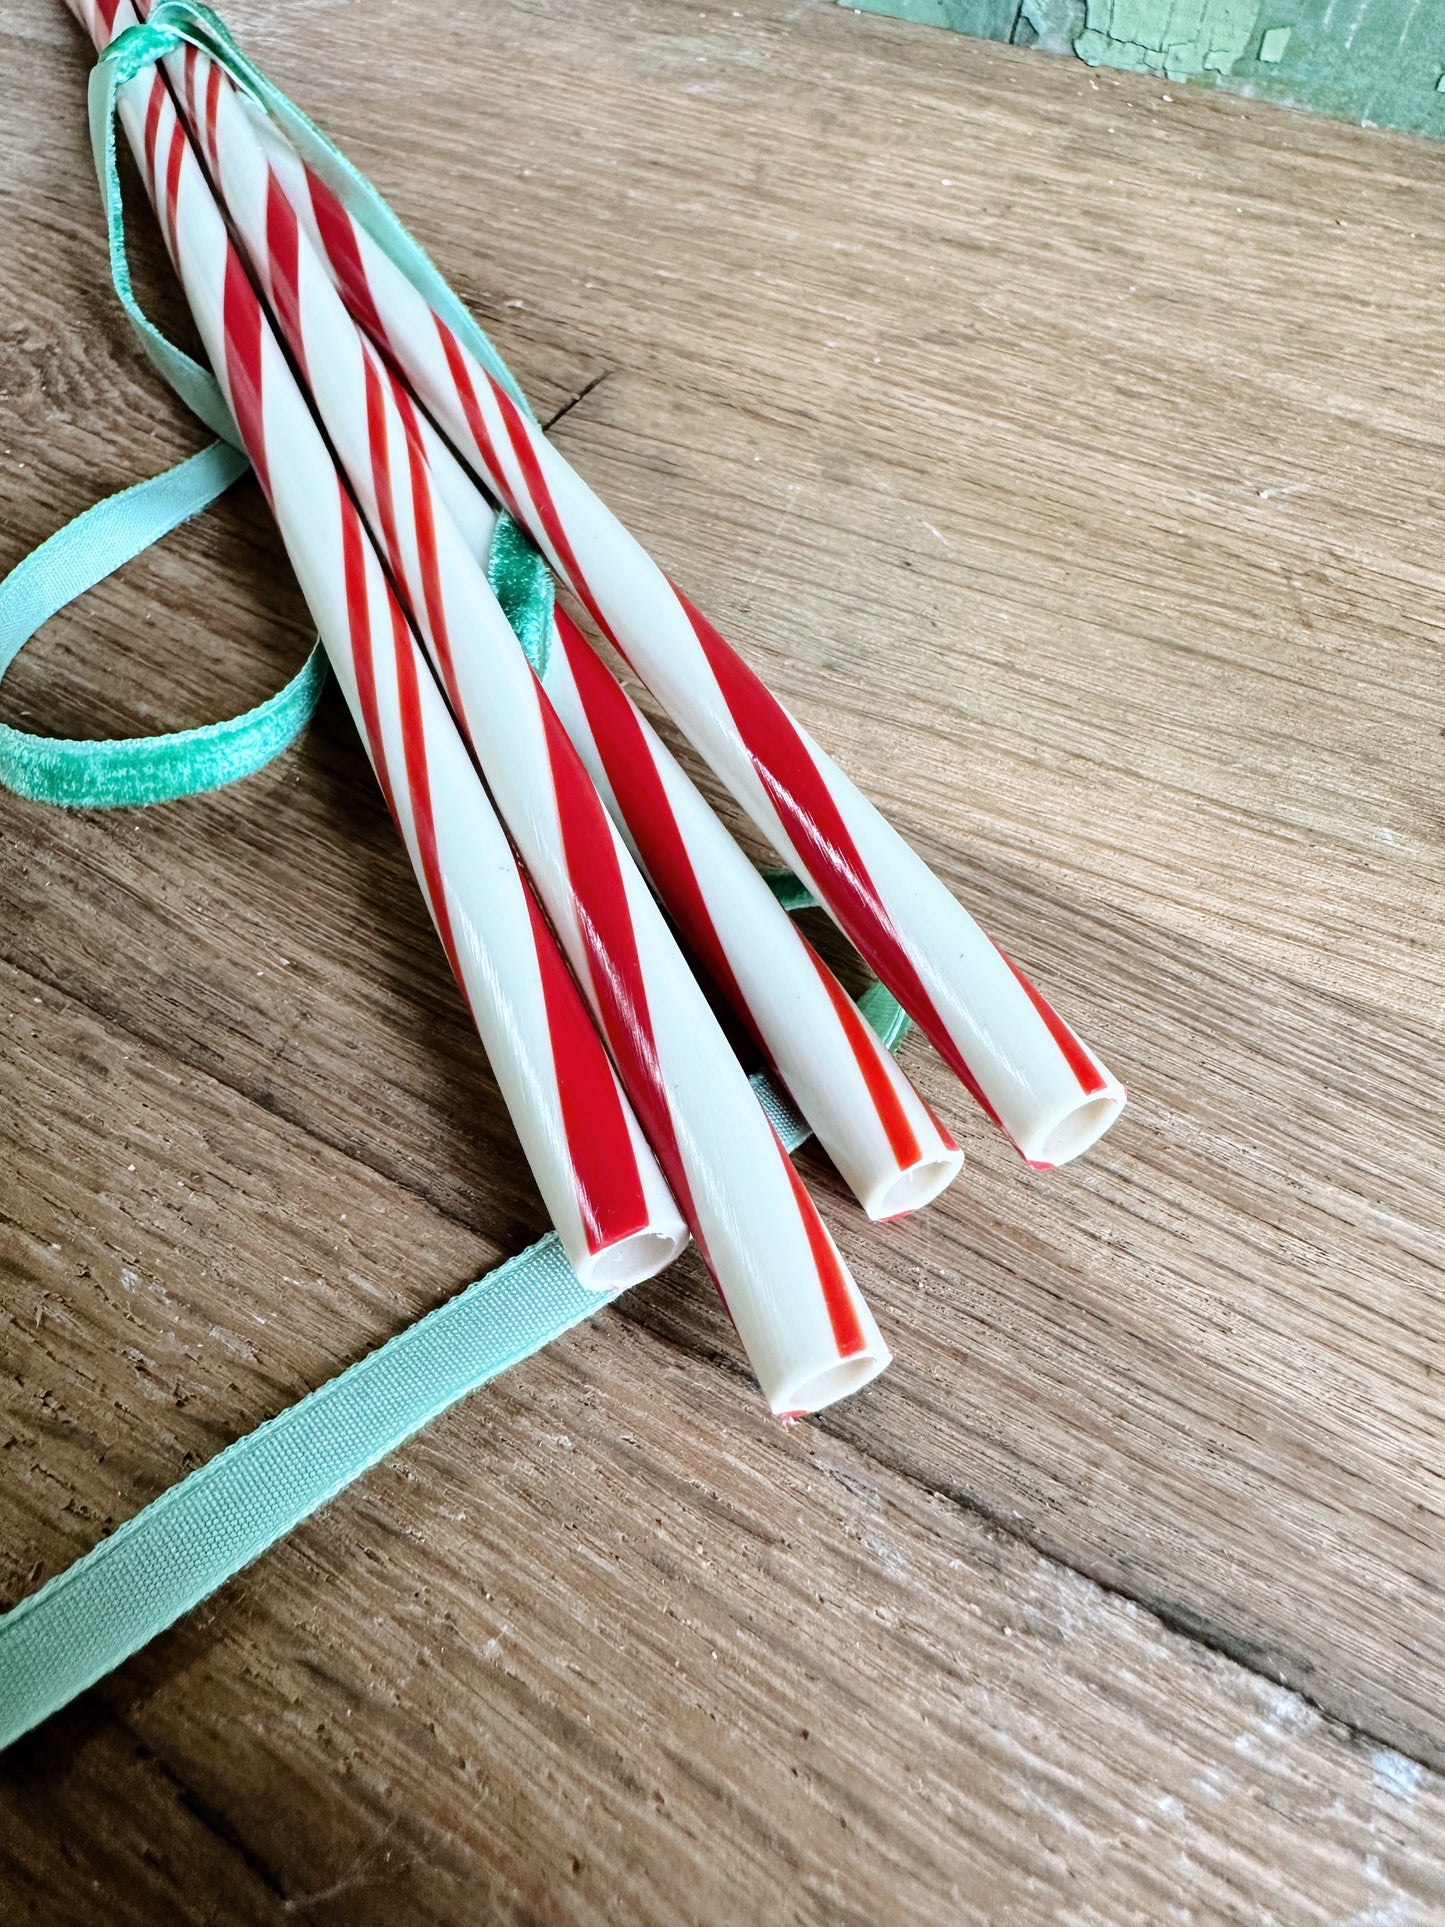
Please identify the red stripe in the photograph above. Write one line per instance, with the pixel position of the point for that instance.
(213, 101)
(472, 409)
(610, 1191)
(339, 241)
(897, 1125)
(816, 828)
(283, 248)
(605, 918)
(1079, 1060)
(609, 1184)
(173, 181)
(520, 433)
(153, 122)
(107, 10)
(842, 1313)
(611, 1196)
(413, 737)
(627, 758)
(418, 776)
(241, 316)
(424, 518)
(188, 69)
(378, 442)
(358, 617)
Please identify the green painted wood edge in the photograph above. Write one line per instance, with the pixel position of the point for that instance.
(1378, 62)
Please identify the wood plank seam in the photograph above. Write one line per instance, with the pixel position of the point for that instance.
(1173, 1616)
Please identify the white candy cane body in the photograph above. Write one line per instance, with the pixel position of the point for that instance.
(890, 1148)
(801, 1319)
(1028, 1070)
(598, 1178)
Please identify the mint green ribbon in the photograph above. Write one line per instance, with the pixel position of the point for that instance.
(126, 56)
(164, 1561)
(179, 1549)
(143, 769)
(169, 1557)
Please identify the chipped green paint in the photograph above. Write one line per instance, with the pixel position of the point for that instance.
(1380, 62)
(1178, 39)
(1053, 25)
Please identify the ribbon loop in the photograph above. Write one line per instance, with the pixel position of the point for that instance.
(154, 769)
(129, 771)
(134, 771)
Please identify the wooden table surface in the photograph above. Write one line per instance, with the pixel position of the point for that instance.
(1067, 452)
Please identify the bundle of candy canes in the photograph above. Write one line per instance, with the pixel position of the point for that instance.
(557, 842)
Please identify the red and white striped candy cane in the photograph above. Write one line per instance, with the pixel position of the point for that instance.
(797, 1310)
(1026, 1067)
(597, 1176)
(885, 1140)
(890, 1148)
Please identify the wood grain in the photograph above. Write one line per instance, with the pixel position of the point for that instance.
(1068, 457)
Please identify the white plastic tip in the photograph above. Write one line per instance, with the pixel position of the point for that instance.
(910, 1190)
(631, 1260)
(1070, 1134)
(812, 1391)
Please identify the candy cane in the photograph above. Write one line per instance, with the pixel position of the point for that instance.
(885, 1140)
(597, 1176)
(1021, 1061)
(797, 1310)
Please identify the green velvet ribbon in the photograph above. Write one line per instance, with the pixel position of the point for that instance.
(132, 771)
(142, 769)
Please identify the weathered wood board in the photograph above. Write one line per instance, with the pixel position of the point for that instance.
(1069, 458)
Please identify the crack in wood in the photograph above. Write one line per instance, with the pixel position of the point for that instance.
(574, 401)
(196, 1804)
(1173, 1616)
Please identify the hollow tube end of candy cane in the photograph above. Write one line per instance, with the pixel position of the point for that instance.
(912, 1188)
(1067, 1132)
(800, 1393)
(630, 1261)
